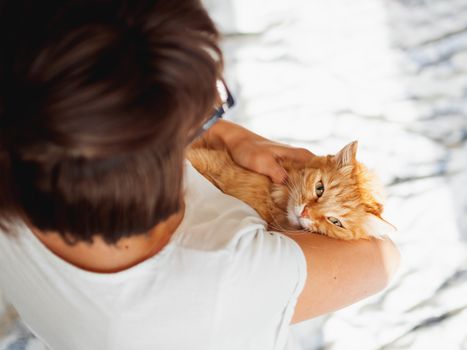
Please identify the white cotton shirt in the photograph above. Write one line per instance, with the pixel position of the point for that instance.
(223, 282)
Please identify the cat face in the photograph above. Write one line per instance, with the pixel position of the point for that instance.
(337, 196)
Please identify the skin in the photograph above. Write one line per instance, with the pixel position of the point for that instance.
(254, 152)
(103, 258)
(340, 272)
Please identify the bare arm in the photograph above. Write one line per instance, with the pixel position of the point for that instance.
(341, 273)
(252, 151)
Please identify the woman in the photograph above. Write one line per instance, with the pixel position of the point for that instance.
(110, 240)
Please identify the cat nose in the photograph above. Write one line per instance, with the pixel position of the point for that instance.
(304, 212)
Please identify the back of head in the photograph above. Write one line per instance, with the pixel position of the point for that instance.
(97, 102)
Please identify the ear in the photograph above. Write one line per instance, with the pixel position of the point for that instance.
(376, 226)
(347, 155)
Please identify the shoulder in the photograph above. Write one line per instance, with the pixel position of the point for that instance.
(265, 276)
(216, 221)
(213, 220)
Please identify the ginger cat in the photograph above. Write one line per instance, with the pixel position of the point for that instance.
(333, 195)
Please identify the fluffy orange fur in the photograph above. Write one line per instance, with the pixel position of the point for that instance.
(333, 195)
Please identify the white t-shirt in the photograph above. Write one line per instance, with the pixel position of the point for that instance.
(222, 282)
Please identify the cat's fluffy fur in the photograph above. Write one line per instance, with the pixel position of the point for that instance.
(334, 195)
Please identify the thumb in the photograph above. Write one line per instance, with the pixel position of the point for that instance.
(301, 155)
(270, 167)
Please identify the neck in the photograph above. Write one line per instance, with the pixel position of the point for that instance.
(103, 258)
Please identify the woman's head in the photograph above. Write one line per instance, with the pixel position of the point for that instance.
(97, 102)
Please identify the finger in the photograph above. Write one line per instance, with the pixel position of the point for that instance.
(279, 174)
(300, 155)
(269, 166)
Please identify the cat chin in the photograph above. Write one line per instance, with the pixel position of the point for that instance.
(305, 223)
(293, 220)
(293, 214)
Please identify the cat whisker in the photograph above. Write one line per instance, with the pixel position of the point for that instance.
(288, 182)
(293, 192)
(294, 187)
(291, 185)
(278, 227)
(276, 224)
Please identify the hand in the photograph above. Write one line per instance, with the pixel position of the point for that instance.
(254, 152)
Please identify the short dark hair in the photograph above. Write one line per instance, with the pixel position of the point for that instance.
(97, 99)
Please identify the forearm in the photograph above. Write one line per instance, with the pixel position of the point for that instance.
(341, 273)
(224, 134)
(252, 151)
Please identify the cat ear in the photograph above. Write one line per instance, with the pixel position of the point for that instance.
(347, 155)
(376, 226)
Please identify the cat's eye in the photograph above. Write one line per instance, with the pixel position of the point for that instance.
(319, 188)
(335, 221)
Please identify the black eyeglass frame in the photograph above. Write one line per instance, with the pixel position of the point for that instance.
(228, 102)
